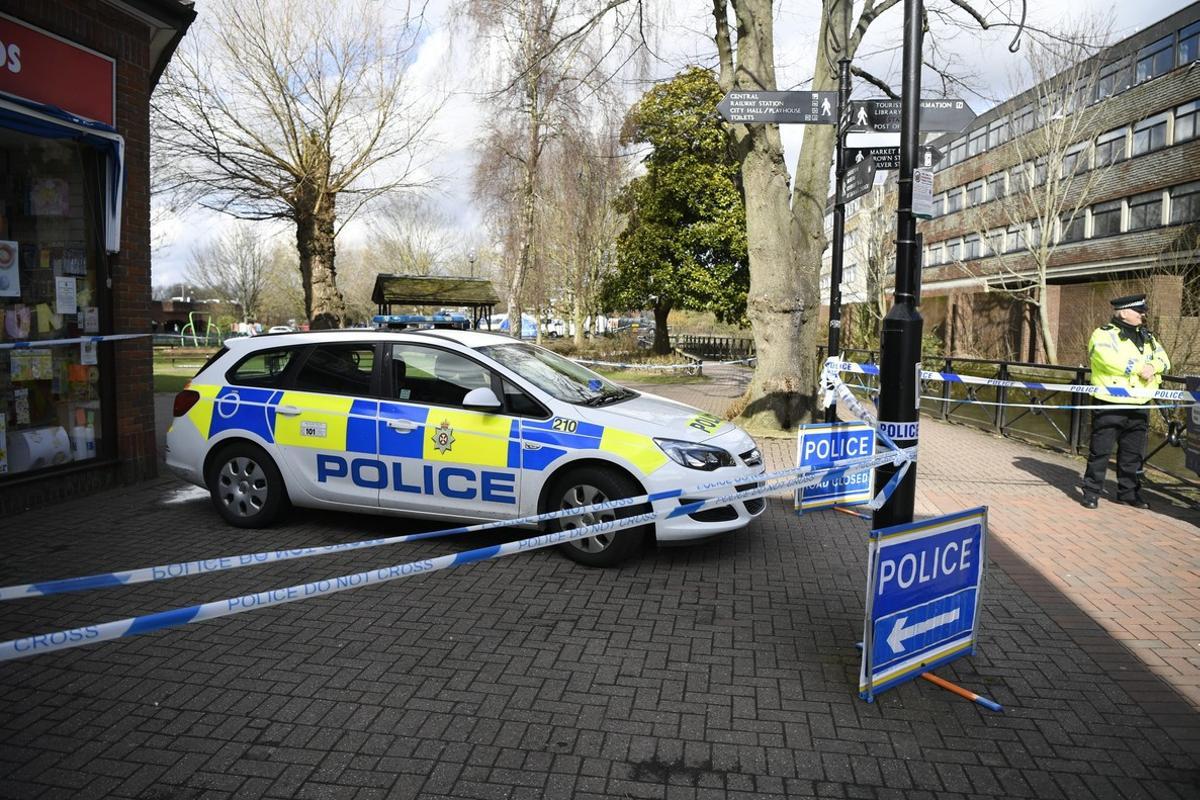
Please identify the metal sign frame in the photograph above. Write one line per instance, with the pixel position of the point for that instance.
(874, 679)
(826, 498)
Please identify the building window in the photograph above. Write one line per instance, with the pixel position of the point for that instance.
(1022, 121)
(1015, 239)
(1145, 211)
(1106, 219)
(995, 242)
(954, 251)
(1189, 44)
(1071, 229)
(997, 133)
(1150, 134)
(1074, 161)
(971, 247)
(1113, 78)
(1110, 147)
(995, 186)
(958, 150)
(976, 142)
(1185, 121)
(939, 204)
(935, 254)
(1039, 171)
(1185, 203)
(1035, 233)
(953, 200)
(1156, 59)
(974, 193)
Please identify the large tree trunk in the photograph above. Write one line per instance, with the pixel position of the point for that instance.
(785, 235)
(662, 337)
(315, 226)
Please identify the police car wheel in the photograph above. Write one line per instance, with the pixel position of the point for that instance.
(245, 486)
(587, 487)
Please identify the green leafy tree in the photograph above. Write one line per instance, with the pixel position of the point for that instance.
(685, 242)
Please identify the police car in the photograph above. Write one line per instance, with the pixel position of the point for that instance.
(445, 424)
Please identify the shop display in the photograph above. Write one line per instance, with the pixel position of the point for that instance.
(64, 296)
(32, 365)
(17, 321)
(91, 319)
(21, 406)
(3, 444)
(50, 197)
(10, 272)
(38, 448)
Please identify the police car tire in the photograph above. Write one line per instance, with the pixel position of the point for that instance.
(254, 458)
(605, 551)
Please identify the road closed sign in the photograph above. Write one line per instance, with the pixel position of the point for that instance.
(924, 586)
(823, 444)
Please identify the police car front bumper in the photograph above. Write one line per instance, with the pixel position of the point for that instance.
(709, 520)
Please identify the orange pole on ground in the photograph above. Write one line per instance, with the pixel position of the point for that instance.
(961, 692)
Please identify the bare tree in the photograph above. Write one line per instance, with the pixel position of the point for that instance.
(410, 236)
(235, 266)
(1058, 169)
(275, 110)
(873, 251)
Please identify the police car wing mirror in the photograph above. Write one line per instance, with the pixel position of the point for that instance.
(482, 398)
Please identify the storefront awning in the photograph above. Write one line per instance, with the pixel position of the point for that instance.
(49, 122)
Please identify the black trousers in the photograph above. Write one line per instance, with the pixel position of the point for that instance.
(1127, 428)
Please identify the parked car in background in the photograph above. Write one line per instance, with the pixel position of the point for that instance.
(280, 329)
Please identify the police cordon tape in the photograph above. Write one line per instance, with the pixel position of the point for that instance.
(77, 340)
(685, 366)
(936, 398)
(1177, 395)
(133, 626)
(203, 566)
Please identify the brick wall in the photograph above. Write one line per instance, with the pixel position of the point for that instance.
(105, 29)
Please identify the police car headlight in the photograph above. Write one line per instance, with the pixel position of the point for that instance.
(695, 456)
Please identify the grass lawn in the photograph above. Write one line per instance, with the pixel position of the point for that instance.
(171, 379)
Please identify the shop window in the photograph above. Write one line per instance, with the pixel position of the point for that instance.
(338, 369)
(1150, 135)
(1189, 44)
(1106, 219)
(1110, 147)
(995, 186)
(1145, 211)
(52, 396)
(1185, 121)
(1071, 227)
(1185, 203)
(266, 368)
(1156, 59)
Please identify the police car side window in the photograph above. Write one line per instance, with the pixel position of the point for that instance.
(338, 369)
(520, 404)
(265, 368)
(437, 377)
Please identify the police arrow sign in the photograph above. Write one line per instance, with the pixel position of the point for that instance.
(805, 108)
(937, 114)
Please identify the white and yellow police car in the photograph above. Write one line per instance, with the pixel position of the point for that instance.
(445, 424)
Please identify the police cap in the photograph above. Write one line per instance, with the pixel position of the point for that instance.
(1134, 302)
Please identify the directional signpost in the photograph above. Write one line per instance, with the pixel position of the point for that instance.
(821, 444)
(858, 177)
(889, 157)
(937, 114)
(805, 108)
(924, 584)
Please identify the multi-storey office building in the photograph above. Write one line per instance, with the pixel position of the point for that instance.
(1131, 234)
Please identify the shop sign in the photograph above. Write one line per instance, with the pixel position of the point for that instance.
(39, 66)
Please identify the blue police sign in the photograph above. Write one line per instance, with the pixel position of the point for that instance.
(822, 444)
(924, 585)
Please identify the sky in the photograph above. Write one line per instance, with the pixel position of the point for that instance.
(448, 63)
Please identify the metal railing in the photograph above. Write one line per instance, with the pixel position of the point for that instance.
(714, 348)
(1027, 414)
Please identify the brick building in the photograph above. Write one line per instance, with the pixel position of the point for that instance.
(75, 84)
(1130, 234)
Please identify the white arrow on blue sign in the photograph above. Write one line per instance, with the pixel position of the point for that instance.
(923, 590)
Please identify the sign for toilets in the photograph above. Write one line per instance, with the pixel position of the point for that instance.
(822, 444)
(924, 583)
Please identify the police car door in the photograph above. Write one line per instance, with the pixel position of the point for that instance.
(444, 459)
(326, 424)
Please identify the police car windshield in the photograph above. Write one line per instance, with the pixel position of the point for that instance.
(557, 376)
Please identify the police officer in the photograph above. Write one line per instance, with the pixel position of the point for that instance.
(1124, 354)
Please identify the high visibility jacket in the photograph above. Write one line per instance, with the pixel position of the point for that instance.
(1117, 362)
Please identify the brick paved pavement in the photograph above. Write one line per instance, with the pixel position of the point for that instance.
(722, 670)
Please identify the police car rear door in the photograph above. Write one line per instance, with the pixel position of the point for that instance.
(326, 424)
(444, 459)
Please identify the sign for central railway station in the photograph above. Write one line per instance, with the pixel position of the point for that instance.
(949, 115)
(804, 108)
